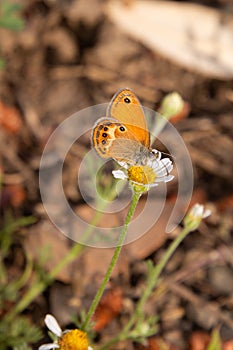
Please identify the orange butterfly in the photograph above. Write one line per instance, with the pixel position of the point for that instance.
(123, 134)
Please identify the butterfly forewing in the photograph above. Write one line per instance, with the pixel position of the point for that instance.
(126, 108)
(123, 133)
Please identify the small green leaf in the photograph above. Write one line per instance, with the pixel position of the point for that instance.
(18, 334)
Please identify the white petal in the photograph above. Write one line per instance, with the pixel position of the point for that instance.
(153, 185)
(164, 178)
(160, 164)
(119, 174)
(167, 163)
(206, 213)
(123, 164)
(150, 163)
(53, 325)
(161, 172)
(169, 178)
(90, 348)
(168, 168)
(197, 210)
(49, 346)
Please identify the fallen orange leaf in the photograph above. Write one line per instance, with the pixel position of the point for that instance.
(10, 118)
(109, 307)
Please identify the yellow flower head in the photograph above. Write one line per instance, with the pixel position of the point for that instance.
(73, 340)
(68, 340)
(142, 174)
(142, 177)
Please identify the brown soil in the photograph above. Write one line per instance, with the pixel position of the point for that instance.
(68, 58)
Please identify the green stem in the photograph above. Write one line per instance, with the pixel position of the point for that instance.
(112, 341)
(157, 271)
(153, 281)
(39, 286)
(3, 274)
(21, 282)
(112, 264)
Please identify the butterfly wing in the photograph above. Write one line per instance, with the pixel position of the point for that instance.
(126, 108)
(112, 139)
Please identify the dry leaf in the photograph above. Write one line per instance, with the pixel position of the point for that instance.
(10, 119)
(13, 195)
(228, 345)
(109, 307)
(199, 341)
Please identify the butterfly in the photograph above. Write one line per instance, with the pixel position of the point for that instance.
(123, 134)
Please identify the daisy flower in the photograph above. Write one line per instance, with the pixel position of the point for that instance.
(149, 175)
(195, 215)
(74, 339)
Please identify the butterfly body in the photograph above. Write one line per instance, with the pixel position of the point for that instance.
(123, 134)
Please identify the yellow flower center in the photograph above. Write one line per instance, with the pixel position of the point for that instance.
(142, 174)
(73, 340)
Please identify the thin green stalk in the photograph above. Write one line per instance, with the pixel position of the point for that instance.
(112, 341)
(39, 286)
(21, 282)
(135, 199)
(157, 271)
(153, 281)
(3, 274)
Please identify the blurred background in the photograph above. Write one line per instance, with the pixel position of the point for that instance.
(60, 56)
